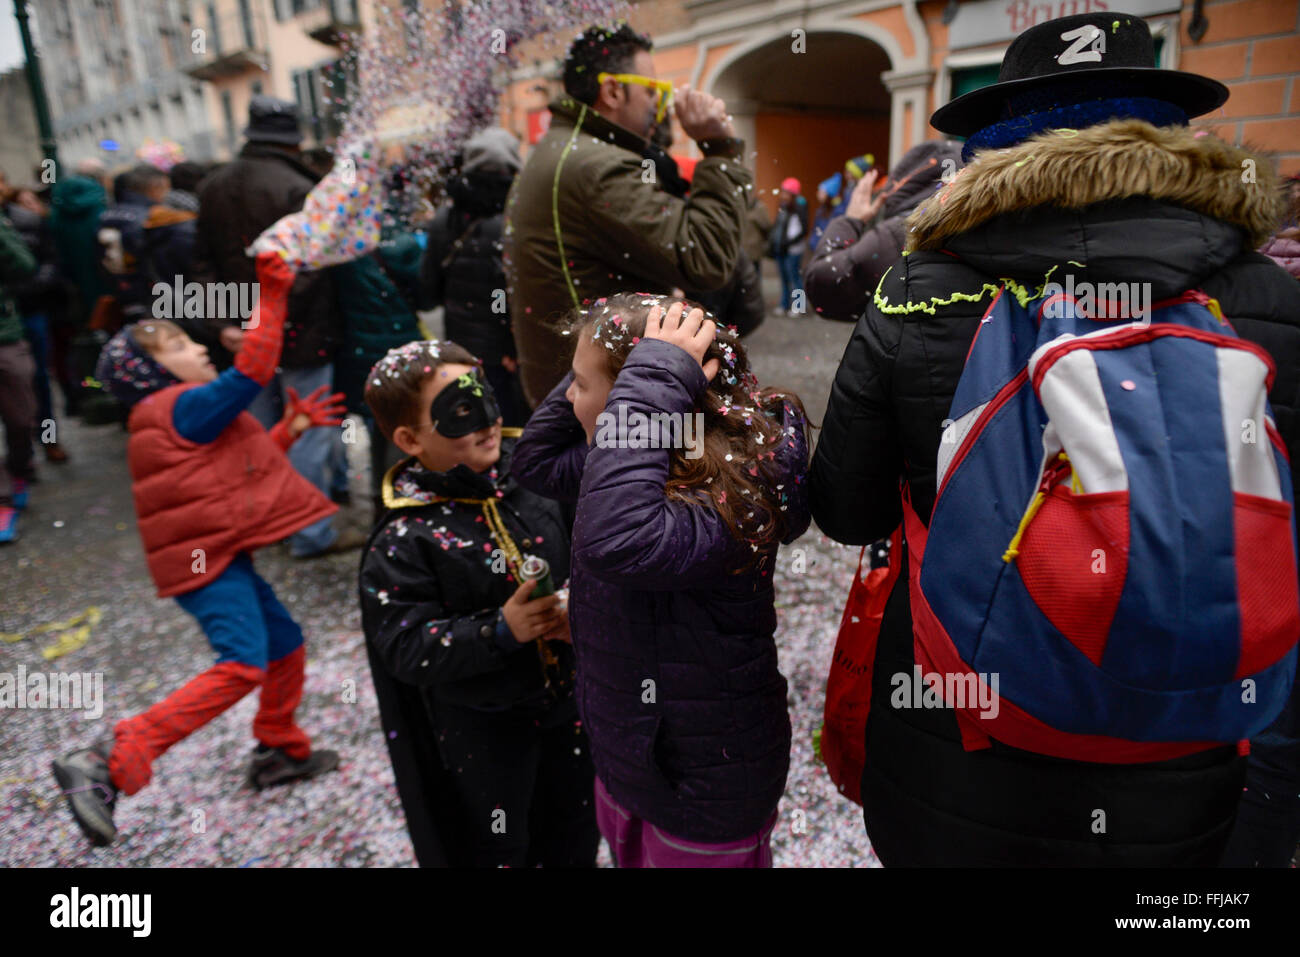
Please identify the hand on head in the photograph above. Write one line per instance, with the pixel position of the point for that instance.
(694, 333)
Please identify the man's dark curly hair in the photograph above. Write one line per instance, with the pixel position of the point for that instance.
(600, 50)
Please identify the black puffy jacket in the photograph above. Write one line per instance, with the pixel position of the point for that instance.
(462, 269)
(1123, 202)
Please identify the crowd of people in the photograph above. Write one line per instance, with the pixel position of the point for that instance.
(571, 625)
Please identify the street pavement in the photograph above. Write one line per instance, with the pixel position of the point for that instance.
(79, 567)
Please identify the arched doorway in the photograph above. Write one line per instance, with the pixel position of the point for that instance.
(805, 112)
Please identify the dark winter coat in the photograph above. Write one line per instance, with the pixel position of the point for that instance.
(1086, 199)
(430, 601)
(462, 268)
(740, 302)
(16, 264)
(678, 686)
(780, 242)
(757, 225)
(170, 238)
(143, 244)
(44, 292)
(123, 256)
(76, 205)
(237, 202)
(376, 295)
(852, 255)
(620, 231)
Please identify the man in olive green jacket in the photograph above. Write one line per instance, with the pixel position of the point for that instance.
(586, 218)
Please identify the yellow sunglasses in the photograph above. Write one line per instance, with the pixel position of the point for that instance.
(665, 88)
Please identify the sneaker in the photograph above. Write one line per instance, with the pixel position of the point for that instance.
(8, 524)
(20, 494)
(55, 453)
(271, 766)
(84, 780)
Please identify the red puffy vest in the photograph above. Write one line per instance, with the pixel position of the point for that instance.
(201, 505)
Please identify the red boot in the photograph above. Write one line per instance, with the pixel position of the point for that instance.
(141, 739)
(274, 726)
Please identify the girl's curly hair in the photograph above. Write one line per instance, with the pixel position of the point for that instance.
(744, 425)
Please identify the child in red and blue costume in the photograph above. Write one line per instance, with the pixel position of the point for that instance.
(210, 485)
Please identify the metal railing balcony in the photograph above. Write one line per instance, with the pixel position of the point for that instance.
(333, 21)
(235, 41)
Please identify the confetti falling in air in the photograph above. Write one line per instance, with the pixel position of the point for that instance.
(422, 82)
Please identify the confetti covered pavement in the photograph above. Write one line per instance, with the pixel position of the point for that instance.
(79, 566)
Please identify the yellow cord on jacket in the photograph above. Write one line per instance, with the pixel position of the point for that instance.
(495, 524)
(514, 558)
(555, 205)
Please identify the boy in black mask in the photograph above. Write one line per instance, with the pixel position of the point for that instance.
(474, 677)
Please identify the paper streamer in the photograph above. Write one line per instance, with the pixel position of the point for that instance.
(420, 85)
(72, 637)
(340, 219)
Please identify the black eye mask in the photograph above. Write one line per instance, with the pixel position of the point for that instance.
(465, 405)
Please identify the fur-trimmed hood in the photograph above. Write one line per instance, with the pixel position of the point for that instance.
(1073, 169)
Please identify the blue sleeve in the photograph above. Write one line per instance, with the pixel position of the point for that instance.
(201, 414)
(505, 637)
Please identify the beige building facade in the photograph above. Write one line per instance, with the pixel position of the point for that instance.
(120, 72)
(114, 74)
(283, 48)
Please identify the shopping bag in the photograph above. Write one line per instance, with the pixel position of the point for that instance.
(848, 686)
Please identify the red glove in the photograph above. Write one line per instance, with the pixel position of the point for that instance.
(260, 352)
(302, 414)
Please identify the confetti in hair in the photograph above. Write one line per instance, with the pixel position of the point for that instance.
(426, 353)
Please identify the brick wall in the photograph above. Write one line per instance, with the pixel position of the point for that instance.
(782, 144)
(1253, 47)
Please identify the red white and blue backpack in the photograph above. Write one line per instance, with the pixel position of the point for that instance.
(1112, 539)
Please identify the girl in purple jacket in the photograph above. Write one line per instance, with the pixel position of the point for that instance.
(687, 477)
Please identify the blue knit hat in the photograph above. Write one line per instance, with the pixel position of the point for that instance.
(128, 371)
